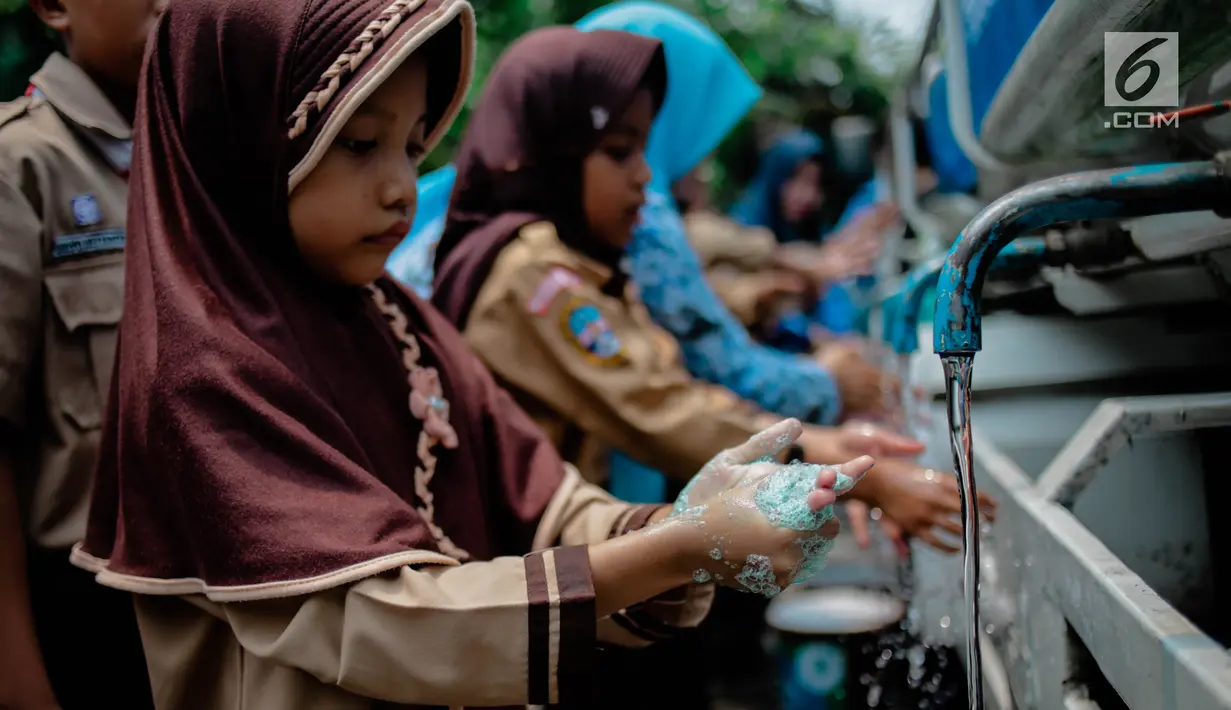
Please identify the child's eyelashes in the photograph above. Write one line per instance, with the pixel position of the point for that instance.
(362, 148)
(618, 153)
(358, 147)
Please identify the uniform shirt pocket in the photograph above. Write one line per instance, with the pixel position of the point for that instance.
(87, 298)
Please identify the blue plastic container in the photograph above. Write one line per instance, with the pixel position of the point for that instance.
(996, 32)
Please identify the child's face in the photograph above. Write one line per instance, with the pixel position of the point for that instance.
(357, 205)
(801, 195)
(615, 174)
(105, 37)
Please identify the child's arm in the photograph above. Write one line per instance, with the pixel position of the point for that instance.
(716, 346)
(23, 680)
(582, 513)
(510, 631)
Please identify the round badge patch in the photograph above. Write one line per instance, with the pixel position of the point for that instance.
(586, 329)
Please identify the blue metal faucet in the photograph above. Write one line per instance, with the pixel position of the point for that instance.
(1100, 194)
(901, 311)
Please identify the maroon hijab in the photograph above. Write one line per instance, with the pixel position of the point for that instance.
(264, 436)
(543, 110)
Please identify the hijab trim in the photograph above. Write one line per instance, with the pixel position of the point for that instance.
(428, 405)
(251, 592)
(369, 39)
(334, 78)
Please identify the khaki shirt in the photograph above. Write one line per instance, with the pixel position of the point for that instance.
(435, 636)
(733, 255)
(719, 240)
(63, 199)
(594, 370)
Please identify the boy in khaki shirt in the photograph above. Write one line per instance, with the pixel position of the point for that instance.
(65, 150)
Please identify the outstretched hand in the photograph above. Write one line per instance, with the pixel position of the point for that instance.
(915, 501)
(728, 467)
(742, 543)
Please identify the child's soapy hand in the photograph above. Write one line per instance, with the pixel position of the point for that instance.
(730, 466)
(771, 528)
(916, 500)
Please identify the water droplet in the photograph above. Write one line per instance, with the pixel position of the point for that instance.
(991, 629)
(929, 475)
(985, 528)
(944, 622)
(1029, 560)
(875, 514)
(874, 696)
(887, 654)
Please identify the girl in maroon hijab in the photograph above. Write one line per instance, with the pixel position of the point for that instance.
(317, 495)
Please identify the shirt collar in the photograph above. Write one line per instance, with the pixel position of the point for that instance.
(75, 96)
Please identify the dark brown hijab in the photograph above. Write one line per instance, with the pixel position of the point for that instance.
(268, 434)
(543, 110)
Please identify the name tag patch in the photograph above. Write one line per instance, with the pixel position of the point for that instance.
(64, 246)
(585, 329)
(552, 284)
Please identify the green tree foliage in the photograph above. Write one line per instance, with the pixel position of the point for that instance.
(24, 44)
(813, 67)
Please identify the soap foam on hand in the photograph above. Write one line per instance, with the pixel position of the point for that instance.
(782, 498)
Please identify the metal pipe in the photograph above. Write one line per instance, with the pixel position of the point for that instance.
(927, 228)
(1098, 194)
(903, 333)
(929, 38)
(957, 84)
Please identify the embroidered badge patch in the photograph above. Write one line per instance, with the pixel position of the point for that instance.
(552, 284)
(64, 246)
(85, 211)
(586, 329)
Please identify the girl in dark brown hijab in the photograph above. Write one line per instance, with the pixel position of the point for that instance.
(317, 495)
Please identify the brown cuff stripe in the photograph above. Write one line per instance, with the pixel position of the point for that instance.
(635, 519)
(562, 625)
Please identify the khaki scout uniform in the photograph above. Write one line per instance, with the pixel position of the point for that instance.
(731, 254)
(64, 158)
(64, 155)
(435, 635)
(594, 370)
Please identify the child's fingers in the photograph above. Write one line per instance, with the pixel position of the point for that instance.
(820, 498)
(769, 442)
(827, 478)
(853, 470)
(949, 524)
(874, 440)
(857, 514)
(930, 538)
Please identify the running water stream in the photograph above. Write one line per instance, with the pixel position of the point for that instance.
(957, 398)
